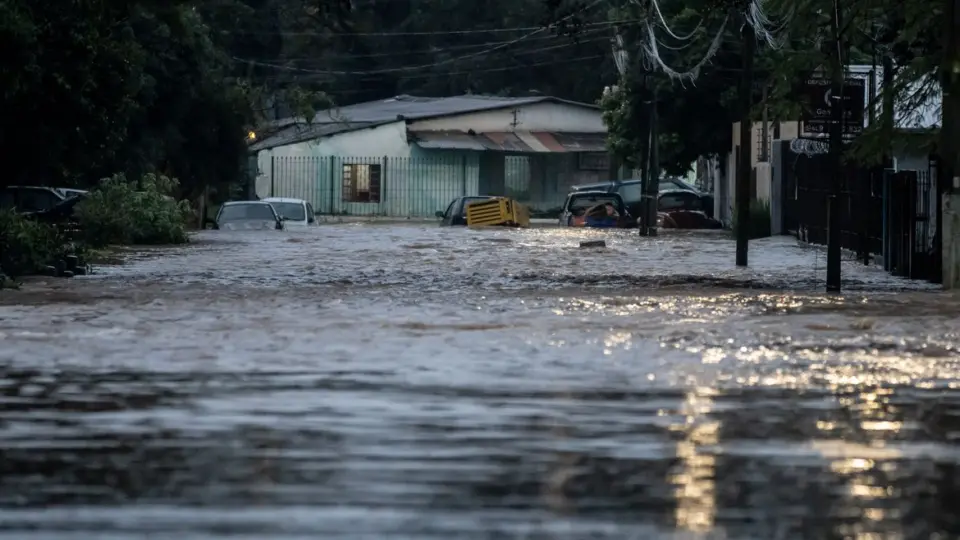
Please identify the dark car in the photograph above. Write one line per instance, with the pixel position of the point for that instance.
(30, 198)
(683, 209)
(632, 192)
(248, 215)
(598, 209)
(61, 213)
(456, 212)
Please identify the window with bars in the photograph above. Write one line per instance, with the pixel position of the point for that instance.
(361, 183)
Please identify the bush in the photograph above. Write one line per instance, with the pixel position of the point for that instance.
(119, 212)
(27, 246)
(759, 219)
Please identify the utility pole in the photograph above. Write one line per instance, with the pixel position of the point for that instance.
(742, 206)
(653, 185)
(948, 182)
(838, 68)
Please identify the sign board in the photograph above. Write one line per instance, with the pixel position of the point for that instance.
(818, 101)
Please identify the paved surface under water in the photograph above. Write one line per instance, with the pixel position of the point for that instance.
(372, 381)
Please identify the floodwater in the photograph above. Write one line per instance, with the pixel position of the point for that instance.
(363, 381)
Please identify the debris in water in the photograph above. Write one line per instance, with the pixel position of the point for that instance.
(593, 244)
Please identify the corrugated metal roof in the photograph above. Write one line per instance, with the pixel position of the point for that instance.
(384, 111)
(304, 132)
(582, 142)
(540, 141)
(447, 140)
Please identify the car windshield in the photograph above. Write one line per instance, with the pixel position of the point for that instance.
(580, 203)
(290, 210)
(237, 212)
(668, 184)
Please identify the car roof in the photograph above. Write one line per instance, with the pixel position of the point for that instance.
(234, 203)
(593, 194)
(284, 200)
(671, 191)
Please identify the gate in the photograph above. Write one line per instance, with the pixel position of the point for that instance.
(910, 217)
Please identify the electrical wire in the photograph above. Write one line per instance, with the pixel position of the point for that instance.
(663, 22)
(391, 70)
(442, 62)
(531, 29)
(486, 70)
(438, 49)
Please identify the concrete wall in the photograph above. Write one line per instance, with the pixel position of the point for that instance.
(537, 117)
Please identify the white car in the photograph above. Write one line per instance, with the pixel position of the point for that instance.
(293, 212)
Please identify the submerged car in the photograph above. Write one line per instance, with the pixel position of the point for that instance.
(632, 192)
(248, 215)
(596, 209)
(684, 209)
(456, 212)
(293, 212)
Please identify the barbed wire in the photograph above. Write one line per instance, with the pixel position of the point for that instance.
(809, 147)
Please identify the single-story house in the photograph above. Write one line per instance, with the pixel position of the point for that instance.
(410, 156)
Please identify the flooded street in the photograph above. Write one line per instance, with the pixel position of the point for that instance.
(368, 381)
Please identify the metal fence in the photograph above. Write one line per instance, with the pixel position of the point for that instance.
(385, 186)
(883, 212)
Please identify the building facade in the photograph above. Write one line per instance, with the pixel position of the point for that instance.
(409, 156)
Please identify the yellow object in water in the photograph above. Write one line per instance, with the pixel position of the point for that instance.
(498, 211)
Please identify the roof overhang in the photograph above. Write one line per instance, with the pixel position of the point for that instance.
(514, 141)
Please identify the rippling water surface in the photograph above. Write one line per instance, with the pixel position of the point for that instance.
(374, 381)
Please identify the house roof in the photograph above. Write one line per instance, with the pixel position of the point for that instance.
(385, 111)
(518, 141)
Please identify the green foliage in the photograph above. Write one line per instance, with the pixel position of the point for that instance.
(25, 245)
(759, 226)
(121, 212)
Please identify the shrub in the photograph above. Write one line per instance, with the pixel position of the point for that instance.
(119, 212)
(27, 246)
(759, 219)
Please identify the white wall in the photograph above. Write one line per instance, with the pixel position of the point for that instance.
(389, 140)
(537, 117)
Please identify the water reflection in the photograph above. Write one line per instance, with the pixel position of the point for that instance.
(513, 396)
(696, 493)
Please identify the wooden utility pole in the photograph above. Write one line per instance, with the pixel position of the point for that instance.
(948, 167)
(744, 165)
(653, 191)
(838, 68)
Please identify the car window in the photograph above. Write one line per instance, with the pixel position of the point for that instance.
(631, 193)
(235, 212)
(449, 211)
(680, 201)
(311, 215)
(581, 203)
(294, 211)
(33, 200)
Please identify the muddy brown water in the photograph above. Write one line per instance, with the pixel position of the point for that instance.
(373, 381)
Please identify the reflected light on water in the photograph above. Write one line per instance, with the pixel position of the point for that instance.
(695, 480)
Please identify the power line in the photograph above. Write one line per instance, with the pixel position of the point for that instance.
(532, 29)
(486, 70)
(434, 64)
(576, 40)
(296, 69)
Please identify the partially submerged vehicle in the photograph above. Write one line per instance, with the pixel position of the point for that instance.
(484, 211)
(631, 191)
(248, 215)
(596, 209)
(684, 209)
(293, 212)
